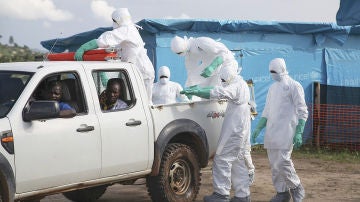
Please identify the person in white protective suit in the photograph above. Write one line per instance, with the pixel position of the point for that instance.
(166, 91)
(284, 117)
(126, 38)
(230, 166)
(204, 58)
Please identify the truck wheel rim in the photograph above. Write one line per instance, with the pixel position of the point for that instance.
(180, 177)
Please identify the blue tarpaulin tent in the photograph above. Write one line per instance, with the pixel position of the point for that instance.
(348, 13)
(314, 52)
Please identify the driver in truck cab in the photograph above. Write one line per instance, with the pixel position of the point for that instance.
(54, 92)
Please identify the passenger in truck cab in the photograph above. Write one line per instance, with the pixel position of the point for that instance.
(54, 92)
(110, 98)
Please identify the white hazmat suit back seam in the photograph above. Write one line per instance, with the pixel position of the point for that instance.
(285, 105)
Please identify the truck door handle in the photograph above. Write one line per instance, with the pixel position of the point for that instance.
(133, 122)
(86, 128)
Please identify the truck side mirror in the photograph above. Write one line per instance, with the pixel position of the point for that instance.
(41, 110)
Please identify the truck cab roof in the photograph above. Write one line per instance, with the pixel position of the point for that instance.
(37, 66)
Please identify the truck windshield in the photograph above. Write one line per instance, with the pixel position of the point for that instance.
(12, 83)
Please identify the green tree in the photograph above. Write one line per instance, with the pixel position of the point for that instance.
(17, 53)
(11, 40)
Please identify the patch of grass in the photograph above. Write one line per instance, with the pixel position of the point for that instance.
(341, 156)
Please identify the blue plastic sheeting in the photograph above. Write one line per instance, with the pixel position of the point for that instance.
(342, 67)
(72, 43)
(321, 52)
(321, 31)
(348, 13)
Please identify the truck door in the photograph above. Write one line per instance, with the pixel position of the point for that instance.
(59, 151)
(124, 125)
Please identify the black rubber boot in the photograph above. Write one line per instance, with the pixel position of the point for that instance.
(298, 193)
(281, 197)
(216, 197)
(241, 199)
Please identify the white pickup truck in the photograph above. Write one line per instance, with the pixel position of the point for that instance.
(42, 154)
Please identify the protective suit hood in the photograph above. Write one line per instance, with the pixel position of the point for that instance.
(277, 68)
(228, 73)
(121, 17)
(180, 45)
(164, 71)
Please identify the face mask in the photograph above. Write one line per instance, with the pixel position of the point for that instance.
(181, 53)
(276, 77)
(224, 84)
(115, 25)
(164, 80)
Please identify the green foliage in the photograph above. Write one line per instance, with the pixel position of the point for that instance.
(17, 53)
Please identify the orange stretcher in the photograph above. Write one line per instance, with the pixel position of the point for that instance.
(91, 55)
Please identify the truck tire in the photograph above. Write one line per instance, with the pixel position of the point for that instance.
(179, 176)
(7, 190)
(4, 192)
(86, 195)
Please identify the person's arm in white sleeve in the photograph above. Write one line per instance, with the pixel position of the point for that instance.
(112, 38)
(180, 97)
(231, 92)
(298, 97)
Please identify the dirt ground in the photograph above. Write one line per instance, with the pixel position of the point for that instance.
(323, 181)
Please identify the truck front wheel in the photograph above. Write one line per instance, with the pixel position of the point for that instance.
(179, 175)
(7, 188)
